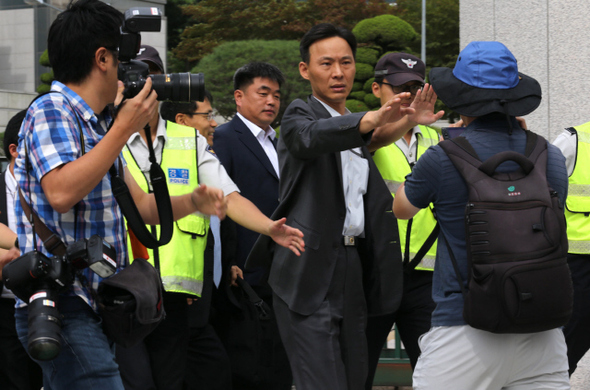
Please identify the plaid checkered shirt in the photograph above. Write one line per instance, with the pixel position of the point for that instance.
(51, 133)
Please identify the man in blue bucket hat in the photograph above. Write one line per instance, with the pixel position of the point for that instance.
(487, 90)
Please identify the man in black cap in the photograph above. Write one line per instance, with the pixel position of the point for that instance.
(487, 90)
(396, 73)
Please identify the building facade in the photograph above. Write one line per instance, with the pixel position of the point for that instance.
(23, 38)
(550, 41)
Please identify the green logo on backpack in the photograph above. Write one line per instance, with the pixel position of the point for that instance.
(512, 192)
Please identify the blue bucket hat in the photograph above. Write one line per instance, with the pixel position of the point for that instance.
(485, 80)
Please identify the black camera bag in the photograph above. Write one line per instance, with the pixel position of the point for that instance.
(518, 277)
(130, 303)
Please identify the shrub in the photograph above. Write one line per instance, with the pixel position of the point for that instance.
(354, 105)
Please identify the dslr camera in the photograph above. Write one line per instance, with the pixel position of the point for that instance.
(38, 280)
(176, 87)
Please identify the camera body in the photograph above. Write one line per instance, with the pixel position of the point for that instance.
(38, 280)
(178, 87)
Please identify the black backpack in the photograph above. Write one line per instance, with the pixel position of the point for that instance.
(518, 280)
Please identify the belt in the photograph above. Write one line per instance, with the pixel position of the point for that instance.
(350, 240)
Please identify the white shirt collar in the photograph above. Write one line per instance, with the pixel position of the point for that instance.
(10, 181)
(160, 134)
(257, 130)
(331, 111)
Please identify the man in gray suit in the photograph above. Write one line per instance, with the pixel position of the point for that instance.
(331, 190)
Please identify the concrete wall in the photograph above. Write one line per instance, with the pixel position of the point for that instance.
(23, 35)
(17, 50)
(551, 41)
(11, 103)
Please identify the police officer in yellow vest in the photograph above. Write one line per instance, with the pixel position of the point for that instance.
(574, 143)
(159, 363)
(397, 146)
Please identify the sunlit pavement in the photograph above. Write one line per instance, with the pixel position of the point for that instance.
(581, 378)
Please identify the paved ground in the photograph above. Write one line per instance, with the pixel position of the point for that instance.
(581, 378)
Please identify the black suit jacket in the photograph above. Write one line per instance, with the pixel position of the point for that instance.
(312, 199)
(248, 166)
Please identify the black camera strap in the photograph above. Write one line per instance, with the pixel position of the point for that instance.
(129, 209)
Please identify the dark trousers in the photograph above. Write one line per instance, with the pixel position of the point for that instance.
(17, 370)
(413, 319)
(160, 363)
(207, 366)
(328, 349)
(176, 356)
(257, 356)
(577, 331)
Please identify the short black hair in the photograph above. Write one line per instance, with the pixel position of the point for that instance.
(76, 34)
(11, 132)
(245, 75)
(168, 110)
(323, 31)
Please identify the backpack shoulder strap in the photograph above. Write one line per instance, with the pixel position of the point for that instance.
(462, 155)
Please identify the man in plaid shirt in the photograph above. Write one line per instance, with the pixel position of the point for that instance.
(67, 182)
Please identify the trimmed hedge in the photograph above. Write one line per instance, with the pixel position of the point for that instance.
(387, 31)
(363, 71)
(354, 105)
(367, 55)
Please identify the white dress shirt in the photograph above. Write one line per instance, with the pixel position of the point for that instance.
(264, 138)
(355, 178)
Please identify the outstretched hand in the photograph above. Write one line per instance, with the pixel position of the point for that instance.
(391, 111)
(423, 106)
(287, 236)
(209, 200)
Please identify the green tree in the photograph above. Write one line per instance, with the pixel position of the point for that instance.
(47, 77)
(177, 21)
(442, 34)
(214, 21)
(376, 36)
(442, 28)
(343, 13)
(385, 32)
(220, 66)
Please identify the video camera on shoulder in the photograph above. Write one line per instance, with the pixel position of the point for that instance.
(177, 87)
(38, 280)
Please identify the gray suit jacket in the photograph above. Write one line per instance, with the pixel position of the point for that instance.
(312, 199)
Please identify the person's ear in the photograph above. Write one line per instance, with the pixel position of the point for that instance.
(303, 70)
(238, 96)
(12, 150)
(376, 89)
(180, 119)
(102, 58)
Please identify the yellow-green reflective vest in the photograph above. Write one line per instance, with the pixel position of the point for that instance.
(181, 260)
(577, 211)
(394, 167)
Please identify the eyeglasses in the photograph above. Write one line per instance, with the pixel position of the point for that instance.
(413, 89)
(209, 115)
